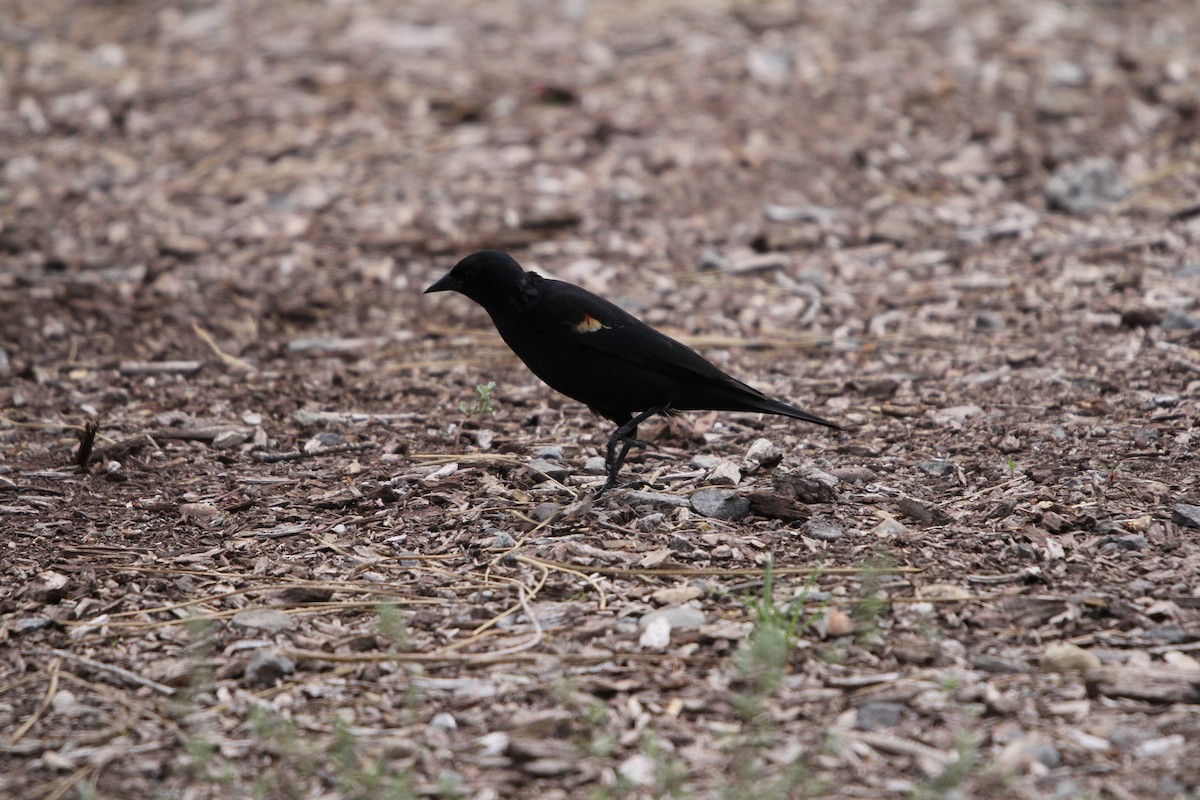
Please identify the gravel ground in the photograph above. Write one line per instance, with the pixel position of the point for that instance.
(307, 557)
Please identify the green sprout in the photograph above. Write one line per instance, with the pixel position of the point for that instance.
(482, 402)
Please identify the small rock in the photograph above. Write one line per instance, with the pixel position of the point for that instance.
(1186, 515)
(444, 721)
(877, 716)
(823, 529)
(676, 595)
(802, 213)
(29, 624)
(684, 616)
(504, 540)
(711, 260)
(544, 511)
(638, 770)
(541, 469)
(989, 322)
(484, 438)
(1021, 358)
(1009, 444)
(201, 513)
(702, 461)
(763, 454)
(1031, 753)
(182, 244)
(227, 440)
(879, 388)
(594, 465)
(1088, 186)
(656, 634)
(770, 67)
(912, 648)
(266, 619)
(922, 511)
(679, 544)
(636, 498)
(1064, 657)
(955, 415)
(855, 476)
(266, 666)
(720, 504)
(889, 528)
(650, 522)
(1129, 541)
(837, 623)
(322, 441)
(551, 453)
(726, 473)
(938, 469)
(808, 486)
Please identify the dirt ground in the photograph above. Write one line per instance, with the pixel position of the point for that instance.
(303, 560)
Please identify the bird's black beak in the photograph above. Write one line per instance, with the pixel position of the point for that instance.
(446, 284)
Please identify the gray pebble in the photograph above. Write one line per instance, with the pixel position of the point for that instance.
(1090, 185)
(922, 511)
(1130, 541)
(938, 469)
(650, 522)
(808, 485)
(323, 440)
(504, 539)
(653, 498)
(877, 716)
(711, 260)
(680, 544)
(544, 511)
(1186, 515)
(594, 465)
(989, 322)
(267, 665)
(27, 624)
(1010, 444)
(551, 453)
(540, 470)
(702, 461)
(823, 529)
(764, 454)
(227, 440)
(889, 528)
(720, 504)
(726, 473)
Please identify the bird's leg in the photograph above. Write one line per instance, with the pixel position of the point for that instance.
(626, 434)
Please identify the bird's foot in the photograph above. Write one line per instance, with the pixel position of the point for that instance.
(612, 484)
(613, 461)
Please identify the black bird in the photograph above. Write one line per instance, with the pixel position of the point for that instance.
(595, 352)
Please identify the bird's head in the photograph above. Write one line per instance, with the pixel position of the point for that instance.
(489, 277)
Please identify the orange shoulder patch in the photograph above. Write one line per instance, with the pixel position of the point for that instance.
(589, 324)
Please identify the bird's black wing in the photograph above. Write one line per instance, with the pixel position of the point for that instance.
(594, 322)
(597, 324)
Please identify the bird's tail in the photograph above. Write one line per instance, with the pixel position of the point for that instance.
(768, 406)
(738, 396)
